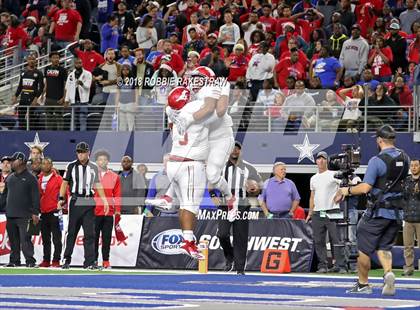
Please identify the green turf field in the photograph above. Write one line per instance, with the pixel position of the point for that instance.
(41, 271)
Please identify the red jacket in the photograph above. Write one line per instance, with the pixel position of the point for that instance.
(17, 35)
(112, 187)
(49, 197)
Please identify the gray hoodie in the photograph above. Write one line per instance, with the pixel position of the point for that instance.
(354, 54)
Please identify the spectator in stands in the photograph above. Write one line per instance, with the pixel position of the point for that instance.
(16, 36)
(298, 107)
(284, 16)
(323, 189)
(380, 59)
(335, 19)
(30, 88)
(104, 223)
(133, 187)
(409, 16)
(400, 92)
(144, 72)
(105, 9)
(66, 25)
(90, 58)
(229, 33)
(257, 36)
(237, 63)
(126, 57)
(126, 100)
(158, 187)
(178, 48)
(195, 44)
(31, 28)
(191, 64)
(55, 81)
(351, 113)
(398, 45)
(146, 34)
(108, 80)
(289, 67)
(206, 15)
(126, 19)
(354, 54)
(268, 96)
(169, 80)
(85, 10)
(327, 68)
(158, 22)
(35, 166)
(175, 61)
(252, 25)
(267, 19)
(330, 112)
(347, 16)
(260, 68)
(109, 34)
(77, 92)
(414, 49)
(282, 41)
(381, 107)
(49, 182)
(337, 39)
(279, 197)
(213, 61)
(367, 78)
(200, 31)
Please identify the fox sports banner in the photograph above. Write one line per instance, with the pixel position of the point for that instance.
(161, 239)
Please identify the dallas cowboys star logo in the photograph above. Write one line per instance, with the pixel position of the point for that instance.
(306, 149)
(37, 142)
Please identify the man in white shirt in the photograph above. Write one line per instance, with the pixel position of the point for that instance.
(323, 189)
(260, 68)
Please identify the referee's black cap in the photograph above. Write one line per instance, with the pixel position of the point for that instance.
(385, 132)
(18, 155)
(82, 147)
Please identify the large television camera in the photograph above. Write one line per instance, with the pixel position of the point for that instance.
(345, 163)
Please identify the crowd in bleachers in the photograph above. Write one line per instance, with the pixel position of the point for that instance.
(266, 47)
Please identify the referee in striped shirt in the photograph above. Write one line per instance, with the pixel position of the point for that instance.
(81, 176)
(239, 174)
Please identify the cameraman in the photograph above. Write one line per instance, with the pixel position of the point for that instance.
(381, 222)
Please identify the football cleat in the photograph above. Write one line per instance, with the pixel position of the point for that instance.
(164, 203)
(190, 248)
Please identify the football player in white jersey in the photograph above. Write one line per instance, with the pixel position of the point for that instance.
(186, 167)
(215, 94)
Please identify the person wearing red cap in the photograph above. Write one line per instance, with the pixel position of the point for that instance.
(104, 222)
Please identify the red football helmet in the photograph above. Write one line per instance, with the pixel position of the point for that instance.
(178, 97)
(203, 71)
(199, 77)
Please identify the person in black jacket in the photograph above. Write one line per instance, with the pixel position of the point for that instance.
(133, 188)
(411, 226)
(126, 19)
(22, 205)
(398, 45)
(31, 86)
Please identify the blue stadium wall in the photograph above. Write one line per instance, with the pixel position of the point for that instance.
(148, 147)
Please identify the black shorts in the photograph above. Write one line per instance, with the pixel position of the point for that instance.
(376, 234)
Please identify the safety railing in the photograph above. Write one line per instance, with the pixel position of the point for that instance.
(245, 118)
(12, 65)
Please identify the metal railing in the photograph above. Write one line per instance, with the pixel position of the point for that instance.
(12, 65)
(245, 118)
